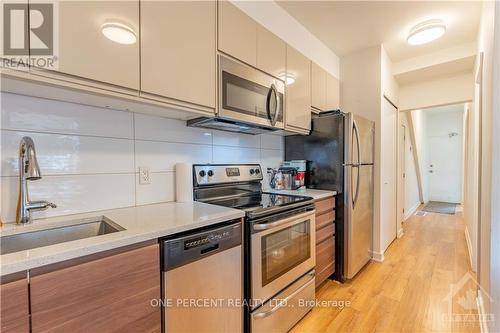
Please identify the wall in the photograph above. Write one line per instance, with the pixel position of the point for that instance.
(89, 157)
(443, 91)
(483, 104)
(471, 181)
(412, 196)
(495, 226)
(419, 129)
(277, 20)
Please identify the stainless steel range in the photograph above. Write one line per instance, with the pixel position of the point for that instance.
(279, 244)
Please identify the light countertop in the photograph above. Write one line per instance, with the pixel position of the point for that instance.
(315, 194)
(142, 223)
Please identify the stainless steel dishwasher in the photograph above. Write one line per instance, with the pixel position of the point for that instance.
(202, 280)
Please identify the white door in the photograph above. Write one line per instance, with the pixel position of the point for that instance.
(389, 174)
(445, 156)
(445, 168)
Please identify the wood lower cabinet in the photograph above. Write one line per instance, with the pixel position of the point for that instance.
(14, 305)
(325, 239)
(107, 294)
(178, 58)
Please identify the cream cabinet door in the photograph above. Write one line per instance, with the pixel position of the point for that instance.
(333, 92)
(84, 51)
(318, 90)
(298, 93)
(178, 52)
(237, 33)
(271, 52)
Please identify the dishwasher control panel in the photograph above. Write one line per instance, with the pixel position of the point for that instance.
(178, 251)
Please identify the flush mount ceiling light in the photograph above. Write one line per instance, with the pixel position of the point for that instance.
(119, 33)
(426, 32)
(289, 79)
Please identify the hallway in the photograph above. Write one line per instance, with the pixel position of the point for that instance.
(408, 291)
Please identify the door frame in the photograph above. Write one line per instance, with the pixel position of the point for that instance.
(399, 228)
(402, 171)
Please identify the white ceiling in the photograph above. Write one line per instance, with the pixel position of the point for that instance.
(348, 26)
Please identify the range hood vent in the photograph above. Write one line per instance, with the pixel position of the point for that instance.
(222, 124)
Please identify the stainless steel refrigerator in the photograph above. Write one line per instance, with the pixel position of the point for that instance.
(339, 151)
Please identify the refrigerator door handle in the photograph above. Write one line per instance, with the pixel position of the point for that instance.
(355, 131)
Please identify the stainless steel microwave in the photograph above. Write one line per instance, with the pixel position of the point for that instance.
(249, 100)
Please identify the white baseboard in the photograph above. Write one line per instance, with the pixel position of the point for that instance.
(469, 247)
(480, 307)
(377, 256)
(411, 211)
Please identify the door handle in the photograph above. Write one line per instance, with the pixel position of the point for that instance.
(273, 117)
(355, 197)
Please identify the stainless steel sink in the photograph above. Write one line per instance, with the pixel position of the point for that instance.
(34, 239)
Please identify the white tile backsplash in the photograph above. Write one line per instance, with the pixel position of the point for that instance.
(89, 157)
(169, 130)
(72, 194)
(236, 139)
(69, 154)
(161, 189)
(43, 115)
(162, 156)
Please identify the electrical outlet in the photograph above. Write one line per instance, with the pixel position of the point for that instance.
(144, 176)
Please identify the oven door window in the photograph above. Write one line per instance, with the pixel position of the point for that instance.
(285, 249)
(247, 97)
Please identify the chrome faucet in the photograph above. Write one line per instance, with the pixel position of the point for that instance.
(28, 170)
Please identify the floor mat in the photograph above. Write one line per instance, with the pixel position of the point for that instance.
(440, 207)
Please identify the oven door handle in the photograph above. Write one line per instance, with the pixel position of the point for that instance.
(267, 226)
(282, 303)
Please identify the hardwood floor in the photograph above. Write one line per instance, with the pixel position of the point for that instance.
(410, 290)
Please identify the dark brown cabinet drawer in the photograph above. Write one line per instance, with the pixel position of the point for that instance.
(14, 310)
(325, 219)
(324, 205)
(325, 233)
(325, 253)
(109, 294)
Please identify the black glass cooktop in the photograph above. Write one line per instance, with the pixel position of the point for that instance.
(261, 203)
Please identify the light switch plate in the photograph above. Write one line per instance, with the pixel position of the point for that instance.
(144, 176)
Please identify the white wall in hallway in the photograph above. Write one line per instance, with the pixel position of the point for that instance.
(89, 157)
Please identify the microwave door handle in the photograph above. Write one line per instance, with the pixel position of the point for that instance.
(273, 117)
(286, 300)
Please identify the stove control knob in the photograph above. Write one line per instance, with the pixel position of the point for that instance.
(252, 172)
(202, 173)
(210, 173)
(257, 171)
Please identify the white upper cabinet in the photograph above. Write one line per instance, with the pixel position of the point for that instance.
(318, 87)
(271, 52)
(85, 52)
(332, 92)
(237, 33)
(178, 51)
(298, 93)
